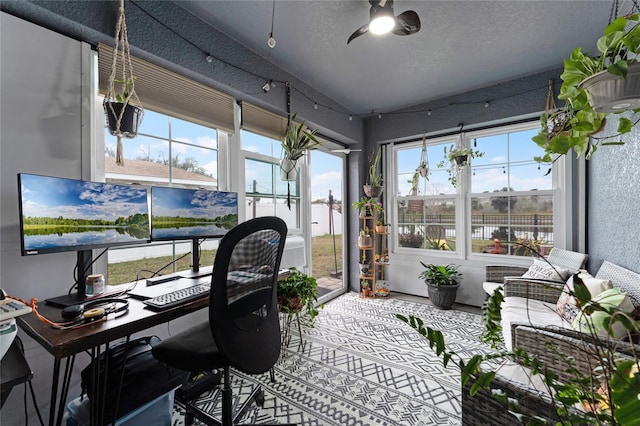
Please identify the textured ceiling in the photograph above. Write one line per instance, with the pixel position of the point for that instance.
(463, 45)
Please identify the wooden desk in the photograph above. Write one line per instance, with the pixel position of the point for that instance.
(65, 344)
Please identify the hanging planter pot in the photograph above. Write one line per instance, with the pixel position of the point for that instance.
(130, 119)
(461, 160)
(365, 241)
(611, 93)
(373, 191)
(288, 169)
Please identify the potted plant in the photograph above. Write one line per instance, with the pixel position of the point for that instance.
(295, 142)
(364, 239)
(122, 107)
(365, 288)
(594, 87)
(411, 239)
(457, 157)
(123, 118)
(298, 292)
(364, 264)
(442, 283)
(373, 188)
(366, 205)
(381, 225)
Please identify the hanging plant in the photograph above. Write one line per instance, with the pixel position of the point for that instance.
(295, 142)
(373, 188)
(423, 167)
(122, 107)
(457, 159)
(586, 81)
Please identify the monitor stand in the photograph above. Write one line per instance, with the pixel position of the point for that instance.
(84, 265)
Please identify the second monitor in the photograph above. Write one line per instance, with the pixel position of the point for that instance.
(191, 214)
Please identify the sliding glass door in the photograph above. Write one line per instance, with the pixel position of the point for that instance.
(326, 196)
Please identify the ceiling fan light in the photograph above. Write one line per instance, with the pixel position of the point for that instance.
(381, 24)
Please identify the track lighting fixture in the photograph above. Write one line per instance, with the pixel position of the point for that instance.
(379, 115)
(208, 58)
(272, 41)
(315, 105)
(486, 104)
(350, 117)
(266, 87)
(429, 112)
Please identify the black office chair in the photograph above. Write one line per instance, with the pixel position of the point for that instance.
(243, 330)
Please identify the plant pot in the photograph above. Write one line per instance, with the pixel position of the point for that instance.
(423, 171)
(130, 121)
(288, 170)
(372, 191)
(380, 229)
(291, 304)
(461, 160)
(365, 241)
(611, 93)
(442, 296)
(363, 268)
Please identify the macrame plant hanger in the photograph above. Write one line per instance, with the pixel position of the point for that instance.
(293, 162)
(125, 78)
(423, 168)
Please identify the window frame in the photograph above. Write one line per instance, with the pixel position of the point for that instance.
(560, 192)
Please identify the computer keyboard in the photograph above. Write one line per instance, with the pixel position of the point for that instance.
(10, 308)
(178, 297)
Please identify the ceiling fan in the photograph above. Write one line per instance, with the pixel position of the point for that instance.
(382, 20)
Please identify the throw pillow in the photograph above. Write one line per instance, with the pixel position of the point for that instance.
(567, 305)
(612, 298)
(542, 270)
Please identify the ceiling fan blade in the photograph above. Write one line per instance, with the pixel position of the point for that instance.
(360, 31)
(407, 23)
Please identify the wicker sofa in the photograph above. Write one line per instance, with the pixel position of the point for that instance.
(483, 409)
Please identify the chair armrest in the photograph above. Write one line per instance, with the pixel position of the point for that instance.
(484, 409)
(531, 288)
(552, 346)
(497, 273)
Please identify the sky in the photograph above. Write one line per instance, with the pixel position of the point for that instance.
(53, 197)
(194, 203)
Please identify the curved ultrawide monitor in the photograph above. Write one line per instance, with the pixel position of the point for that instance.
(58, 214)
(187, 214)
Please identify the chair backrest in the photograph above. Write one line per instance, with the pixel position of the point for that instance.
(571, 260)
(243, 311)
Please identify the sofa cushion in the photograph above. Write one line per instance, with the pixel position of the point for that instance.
(567, 305)
(624, 279)
(612, 298)
(542, 270)
(528, 311)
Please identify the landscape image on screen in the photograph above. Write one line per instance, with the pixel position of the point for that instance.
(178, 213)
(66, 214)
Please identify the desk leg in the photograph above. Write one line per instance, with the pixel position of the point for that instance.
(68, 371)
(54, 391)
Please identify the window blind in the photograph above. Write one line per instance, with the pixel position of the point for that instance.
(262, 122)
(171, 93)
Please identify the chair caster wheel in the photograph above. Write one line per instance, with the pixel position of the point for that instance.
(260, 398)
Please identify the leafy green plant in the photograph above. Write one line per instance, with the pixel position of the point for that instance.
(366, 203)
(574, 126)
(457, 157)
(375, 177)
(299, 292)
(126, 84)
(440, 274)
(297, 140)
(411, 239)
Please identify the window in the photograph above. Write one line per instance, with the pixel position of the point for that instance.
(425, 208)
(266, 193)
(511, 197)
(503, 203)
(167, 151)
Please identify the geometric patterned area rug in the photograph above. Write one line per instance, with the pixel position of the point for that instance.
(360, 365)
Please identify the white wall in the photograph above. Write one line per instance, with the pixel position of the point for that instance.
(44, 116)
